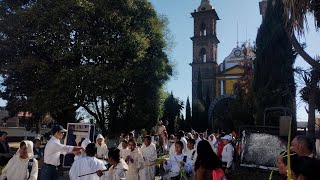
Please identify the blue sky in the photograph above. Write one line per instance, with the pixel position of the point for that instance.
(245, 13)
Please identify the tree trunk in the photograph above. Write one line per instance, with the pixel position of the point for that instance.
(103, 128)
(114, 125)
(312, 105)
(37, 123)
(313, 85)
(296, 45)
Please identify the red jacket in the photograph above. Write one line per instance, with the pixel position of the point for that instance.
(220, 148)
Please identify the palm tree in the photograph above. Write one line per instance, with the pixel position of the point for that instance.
(296, 11)
(296, 14)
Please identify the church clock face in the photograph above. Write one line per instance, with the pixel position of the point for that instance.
(237, 53)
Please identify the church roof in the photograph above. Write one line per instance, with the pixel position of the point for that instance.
(236, 70)
(236, 56)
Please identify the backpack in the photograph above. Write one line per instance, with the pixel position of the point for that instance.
(192, 156)
(189, 174)
(30, 164)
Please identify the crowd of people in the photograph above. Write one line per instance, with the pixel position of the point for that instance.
(192, 156)
(303, 160)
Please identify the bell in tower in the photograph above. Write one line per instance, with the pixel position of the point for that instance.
(204, 63)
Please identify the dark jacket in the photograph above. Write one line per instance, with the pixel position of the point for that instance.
(4, 148)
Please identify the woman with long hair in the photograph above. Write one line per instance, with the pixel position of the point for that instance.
(208, 165)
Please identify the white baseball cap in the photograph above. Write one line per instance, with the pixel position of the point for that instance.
(227, 137)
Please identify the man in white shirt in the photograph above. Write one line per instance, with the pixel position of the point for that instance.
(303, 146)
(149, 153)
(227, 153)
(201, 136)
(52, 153)
(192, 155)
(86, 165)
(102, 148)
(197, 139)
(191, 152)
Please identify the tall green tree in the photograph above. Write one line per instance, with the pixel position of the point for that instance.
(273, 82)
(108, 57)
(243, 108)
(172, 112)
(188, 115)
(199, 120)
(199, 87)
(185, 123)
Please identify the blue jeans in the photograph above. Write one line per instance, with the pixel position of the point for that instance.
(49, 172)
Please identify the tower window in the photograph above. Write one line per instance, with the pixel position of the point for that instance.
(203, 55)
(203, 30)
(214, 26)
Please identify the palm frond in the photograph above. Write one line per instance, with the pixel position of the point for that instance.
(295, 12)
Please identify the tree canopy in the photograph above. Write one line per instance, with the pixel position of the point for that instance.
(171, 112)
(296, 13)
(108, 57)
(273, 83)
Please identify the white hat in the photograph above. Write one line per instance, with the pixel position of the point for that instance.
(227, 137)
(100, 137)
(29, 146)
(189, 135)
(85, 143)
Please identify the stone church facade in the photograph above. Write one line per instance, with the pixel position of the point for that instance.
(210, 79)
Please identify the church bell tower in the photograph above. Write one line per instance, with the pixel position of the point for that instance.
(205, 45)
